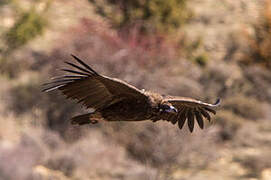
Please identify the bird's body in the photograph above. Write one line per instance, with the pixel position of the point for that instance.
(127, 110)
(116, 100)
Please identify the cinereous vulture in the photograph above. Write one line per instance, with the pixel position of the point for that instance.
(116, 100)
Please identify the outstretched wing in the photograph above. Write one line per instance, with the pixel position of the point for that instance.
(92, 89)
(191, 109)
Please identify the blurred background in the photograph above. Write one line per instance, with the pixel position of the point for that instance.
(201, 49)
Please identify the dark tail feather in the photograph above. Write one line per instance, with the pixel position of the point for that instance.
(83, 119)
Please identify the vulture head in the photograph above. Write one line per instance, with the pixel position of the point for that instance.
(166, 107)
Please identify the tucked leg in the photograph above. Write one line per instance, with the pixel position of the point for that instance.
(92, 118)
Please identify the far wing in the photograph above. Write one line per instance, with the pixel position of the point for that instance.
(92, 89)
(191, 109)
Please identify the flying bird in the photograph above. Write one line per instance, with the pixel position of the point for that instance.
(116, 100)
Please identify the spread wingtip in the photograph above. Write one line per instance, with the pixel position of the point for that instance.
(217, 103)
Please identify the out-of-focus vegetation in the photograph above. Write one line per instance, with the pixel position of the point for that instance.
(3, 2)
(153, 15)
(153, 25)
(29, 25)
(132, 40)
(260, 41)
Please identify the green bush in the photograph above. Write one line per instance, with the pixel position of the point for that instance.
(28, 26)
(164, 16)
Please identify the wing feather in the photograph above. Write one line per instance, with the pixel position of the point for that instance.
(78, 67)
(92, 89)
(205, 114)
(60, 81)
(68, 76)
(75, 72)
(194, 109)
(182, 118)
(210, 110)
(84, 64)
(190, 119)
(199, 119)
(175, 119)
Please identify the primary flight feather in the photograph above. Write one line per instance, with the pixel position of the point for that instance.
(116, 100)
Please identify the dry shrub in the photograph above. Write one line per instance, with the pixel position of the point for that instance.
(27, 97)
(98, 42)
(255, 163)
(259, 44)
(63, 163)
(16, 161)
(95, 156)
(259, 82)
(254, 135)
(91, 157)
(163, 145)
(24, 97)
(229, 123)
(153, 14)
(222, 80)
(11, 66)
(228, 80)
(247, 107)
(143, 147)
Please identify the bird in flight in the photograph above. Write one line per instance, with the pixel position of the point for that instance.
(116, 100)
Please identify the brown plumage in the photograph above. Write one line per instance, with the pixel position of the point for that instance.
(116, 100)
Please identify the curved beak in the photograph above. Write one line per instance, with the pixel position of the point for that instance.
(171, 109)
